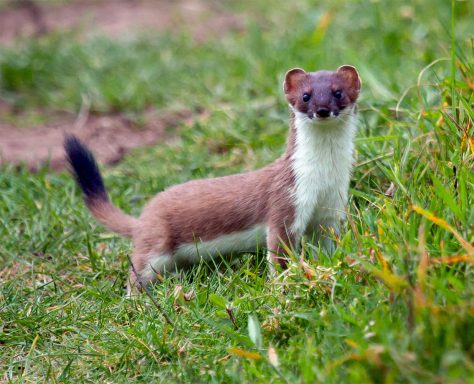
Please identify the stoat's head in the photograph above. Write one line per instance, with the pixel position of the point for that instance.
(323, 95)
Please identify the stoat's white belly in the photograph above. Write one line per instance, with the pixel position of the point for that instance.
(242, 241)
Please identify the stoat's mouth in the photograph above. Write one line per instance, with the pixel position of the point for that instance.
(330, 120)
(330, 115)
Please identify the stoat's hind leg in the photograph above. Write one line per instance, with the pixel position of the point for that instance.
(145, 269)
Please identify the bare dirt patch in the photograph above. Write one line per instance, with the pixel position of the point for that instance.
(110, 136)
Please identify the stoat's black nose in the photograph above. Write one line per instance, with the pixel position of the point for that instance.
(322, 112)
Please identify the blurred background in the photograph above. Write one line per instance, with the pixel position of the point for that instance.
(125, 73)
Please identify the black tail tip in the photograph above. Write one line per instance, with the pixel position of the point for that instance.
(84, 168)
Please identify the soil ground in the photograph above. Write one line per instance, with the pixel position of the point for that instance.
(110, 137)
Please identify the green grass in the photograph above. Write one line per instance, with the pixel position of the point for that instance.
(392, 305)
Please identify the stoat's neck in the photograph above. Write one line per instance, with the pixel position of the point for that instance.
(311, 135)
(321, 155)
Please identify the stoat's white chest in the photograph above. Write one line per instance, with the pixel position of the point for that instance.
(322, 163)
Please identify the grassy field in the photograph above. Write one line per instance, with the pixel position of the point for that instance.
(394, 304)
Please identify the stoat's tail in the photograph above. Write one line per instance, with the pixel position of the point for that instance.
(88, 177)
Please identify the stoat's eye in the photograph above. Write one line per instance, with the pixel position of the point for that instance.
(306, 97)
(338, 94)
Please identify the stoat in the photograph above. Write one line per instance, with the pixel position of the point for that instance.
(304, 192)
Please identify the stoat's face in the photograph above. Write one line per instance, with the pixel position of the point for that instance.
(323, 95)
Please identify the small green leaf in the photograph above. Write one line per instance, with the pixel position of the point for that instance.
(217, 300)
(255, 333)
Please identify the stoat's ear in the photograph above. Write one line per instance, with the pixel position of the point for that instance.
(351, 77)
(293, 79)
